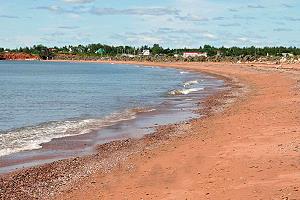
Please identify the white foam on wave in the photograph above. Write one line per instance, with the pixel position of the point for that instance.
(184, 91)
(30, 138)
(184, 72)
(189, 83)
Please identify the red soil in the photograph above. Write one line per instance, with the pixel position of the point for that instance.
(18, 56)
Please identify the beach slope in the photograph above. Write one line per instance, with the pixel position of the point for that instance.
(249, 151)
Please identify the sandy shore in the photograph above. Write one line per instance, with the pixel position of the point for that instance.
(246, 149)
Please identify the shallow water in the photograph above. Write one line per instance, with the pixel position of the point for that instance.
(42, 101)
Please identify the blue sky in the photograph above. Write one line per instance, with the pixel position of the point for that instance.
(171, 23)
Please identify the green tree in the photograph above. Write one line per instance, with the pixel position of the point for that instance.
(156, 49)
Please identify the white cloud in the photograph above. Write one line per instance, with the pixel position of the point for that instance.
(78, 1)
(209, 36)
(134, 11)
(243, 39)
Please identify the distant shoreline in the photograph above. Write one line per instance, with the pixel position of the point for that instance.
(285, 58)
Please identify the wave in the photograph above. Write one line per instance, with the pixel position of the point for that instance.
(184, 91)
(189, 83)
(184, 72)
(29, 138)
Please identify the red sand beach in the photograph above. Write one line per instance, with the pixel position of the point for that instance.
(247, 147)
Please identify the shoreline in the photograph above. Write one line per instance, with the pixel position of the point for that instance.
(248, 151)
(84, 144)
(159, 134)
(188, 134)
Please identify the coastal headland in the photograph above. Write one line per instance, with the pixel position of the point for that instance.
(247, 146)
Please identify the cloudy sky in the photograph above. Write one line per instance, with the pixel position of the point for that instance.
(171, 23)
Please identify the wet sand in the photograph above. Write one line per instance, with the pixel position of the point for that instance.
(247, 147)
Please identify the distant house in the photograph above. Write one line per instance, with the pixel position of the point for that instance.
(194, 54)
(287, 55)
(146, 52)
(100, 51)
(52, 49)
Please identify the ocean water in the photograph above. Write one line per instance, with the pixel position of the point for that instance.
(41, 101)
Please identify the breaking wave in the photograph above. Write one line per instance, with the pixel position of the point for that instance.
(29, 138)
(184, 72)
(189, 83)
(184, 91)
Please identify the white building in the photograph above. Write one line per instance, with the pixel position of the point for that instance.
(285, 55)
(194, 54)
(146, 52)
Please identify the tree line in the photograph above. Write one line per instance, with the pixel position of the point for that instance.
(156, 49)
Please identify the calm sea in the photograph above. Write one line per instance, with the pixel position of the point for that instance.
(41, 101)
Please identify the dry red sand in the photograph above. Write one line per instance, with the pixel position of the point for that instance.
(249, 151)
